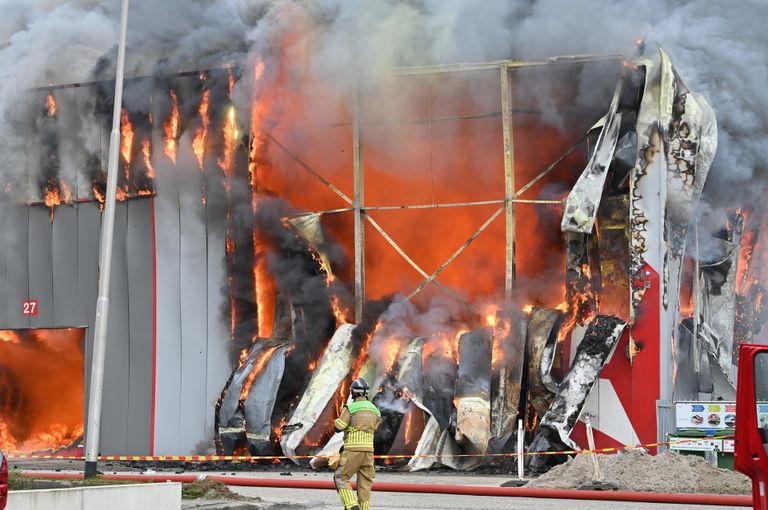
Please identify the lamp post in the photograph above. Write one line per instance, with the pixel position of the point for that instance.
(93, 429)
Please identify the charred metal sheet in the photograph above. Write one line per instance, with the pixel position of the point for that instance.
(329, 374)
(584, 199)
(230, 413)
(541, 343)
(393, 404)
(395, 393)
(260, 402)
(555, 428)
(439, 373)
(677, 140)
(310, 228)
(507, 374)
(473, 391)
(719, 299)
(437, 447)
(613, 254)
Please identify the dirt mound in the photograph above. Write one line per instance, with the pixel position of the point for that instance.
(639, 471)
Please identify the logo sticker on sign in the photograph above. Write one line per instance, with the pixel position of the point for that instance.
(29, 307)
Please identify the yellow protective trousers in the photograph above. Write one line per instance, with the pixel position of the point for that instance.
(358, 464)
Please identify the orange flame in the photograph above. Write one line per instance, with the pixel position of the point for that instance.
(126, 138)
(264, 285)
(9, 337)
(56, 193)
(278, 430)
(230, 140)
(50, 105)
(230, 80)
(198, 142)
(578, 305)
(98, 194)
(146, 151)
(357, 365)
(501, 332)
(258, 366)
(265, 291)
(171, 129)
(390, 352)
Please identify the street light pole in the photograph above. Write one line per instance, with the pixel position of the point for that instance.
(93, 429)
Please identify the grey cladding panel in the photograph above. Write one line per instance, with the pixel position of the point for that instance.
(41, 265)
(168, 370)
(139, 246)
(88, 224)
(65, 268)
(192, 287)
(114, 425)
(217, 362)
(3, 261)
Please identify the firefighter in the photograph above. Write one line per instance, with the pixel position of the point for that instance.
(358, 421)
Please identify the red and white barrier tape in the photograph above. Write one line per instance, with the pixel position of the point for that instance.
(256, 458)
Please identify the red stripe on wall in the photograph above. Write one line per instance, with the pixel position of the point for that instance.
(645, 367)
(154, 331)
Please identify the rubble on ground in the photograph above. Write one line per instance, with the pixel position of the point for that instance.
(668, 472)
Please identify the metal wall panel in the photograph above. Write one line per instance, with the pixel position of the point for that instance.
(218, 366)
(88, 233)
(65, 268)
(4, 249)
(194, 299)
(41, 265)
(114, 419)
(168, 310)
(139, 251)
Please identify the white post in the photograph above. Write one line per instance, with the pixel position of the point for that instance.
(105, 262)
(598, 475)
(520, 439)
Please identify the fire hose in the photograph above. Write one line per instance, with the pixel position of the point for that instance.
(424, 488)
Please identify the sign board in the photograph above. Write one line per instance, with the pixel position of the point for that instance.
(762, 415)
(29, 307)
(701, 445)
(708, 417)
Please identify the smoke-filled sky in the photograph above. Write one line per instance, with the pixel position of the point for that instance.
(718, 46)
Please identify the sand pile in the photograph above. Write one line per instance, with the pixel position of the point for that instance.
(639, 471)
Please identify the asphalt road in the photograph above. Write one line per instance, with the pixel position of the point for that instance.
(305, 499)
(327, 500)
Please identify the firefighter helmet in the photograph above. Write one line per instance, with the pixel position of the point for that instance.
(360, 388)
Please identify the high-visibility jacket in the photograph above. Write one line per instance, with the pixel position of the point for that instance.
(358, 420)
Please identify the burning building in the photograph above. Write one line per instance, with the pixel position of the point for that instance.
(476, 240)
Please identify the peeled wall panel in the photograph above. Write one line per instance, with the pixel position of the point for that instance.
(40, 258)
(65, 268)
(139, 251)
(114, 419)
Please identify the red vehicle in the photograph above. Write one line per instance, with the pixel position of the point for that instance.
(3, 481)
(750, 455)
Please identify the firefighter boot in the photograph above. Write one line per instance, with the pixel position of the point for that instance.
(349, 499)
(365, 505)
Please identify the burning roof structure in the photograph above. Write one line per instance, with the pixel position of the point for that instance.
(481, 256)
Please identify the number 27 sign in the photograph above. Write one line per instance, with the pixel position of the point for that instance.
(29, 307)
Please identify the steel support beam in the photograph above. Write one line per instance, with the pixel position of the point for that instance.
(359, 199)
(509, 183)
